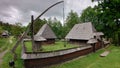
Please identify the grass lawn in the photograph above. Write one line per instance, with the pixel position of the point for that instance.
(4, 44)
(92, 60)
(57, 46)
(8, 56)
(112, 60)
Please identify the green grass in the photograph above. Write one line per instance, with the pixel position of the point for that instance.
(52, 47)
(4, 44)
(8, 56)
(28, 46)
(2, 41)
(93, 60)
(57, 46)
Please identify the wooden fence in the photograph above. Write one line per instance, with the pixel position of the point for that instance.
(42, 59)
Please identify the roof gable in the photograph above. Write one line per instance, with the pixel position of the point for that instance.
(83, 31)
(46, 32)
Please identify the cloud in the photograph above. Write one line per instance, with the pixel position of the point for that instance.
(11, 15)
(13, 11)
(78, 5)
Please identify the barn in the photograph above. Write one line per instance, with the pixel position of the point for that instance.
(47, 33)
(81, 33)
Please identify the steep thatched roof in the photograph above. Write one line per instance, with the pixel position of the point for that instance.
(46, 32)
(82, 31)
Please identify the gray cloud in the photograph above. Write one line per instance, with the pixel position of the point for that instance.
(20, 10)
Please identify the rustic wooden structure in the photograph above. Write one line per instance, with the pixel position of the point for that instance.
(104, 53)
(81, 33)
(28, 28)
(92, 42)
(47, 33)
(43, 59)
(5, 34)
(37, 43)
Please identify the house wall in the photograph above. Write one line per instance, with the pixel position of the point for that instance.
(78, 42)
(98, 45)
(48, 41)
(37, 46)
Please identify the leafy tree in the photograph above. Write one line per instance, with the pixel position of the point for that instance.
(72, 19)
(17, 29)
(56, 27)
(90, 15)
(109, 13)
(38, 24)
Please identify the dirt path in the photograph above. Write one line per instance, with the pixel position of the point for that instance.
(2, 54)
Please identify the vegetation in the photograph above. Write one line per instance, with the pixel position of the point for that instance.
(4, 43)
(8, 56)
(57, 46)
(105, 17)
(90, 61)
(94, 60)
(13, 29)
(56, 27)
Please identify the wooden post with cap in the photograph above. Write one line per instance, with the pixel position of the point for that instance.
(32, 32)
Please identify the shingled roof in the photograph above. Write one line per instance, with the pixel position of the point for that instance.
(82, 31)
(46, 32)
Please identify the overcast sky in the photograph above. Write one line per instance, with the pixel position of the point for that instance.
(13, 11)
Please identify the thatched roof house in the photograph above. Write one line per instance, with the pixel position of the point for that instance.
(5, 34)
(82, 32)
(46, 33)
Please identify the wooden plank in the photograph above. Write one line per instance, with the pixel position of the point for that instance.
(104, 53)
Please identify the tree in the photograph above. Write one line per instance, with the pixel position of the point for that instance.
(109, 14)
(72, 19)
(38, 24)
(90, 15)
(17, 30)
(56, 27)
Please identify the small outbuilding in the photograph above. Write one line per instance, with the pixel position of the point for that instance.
(38, 42)
(5, 34)
(81, 33)
(47, 33)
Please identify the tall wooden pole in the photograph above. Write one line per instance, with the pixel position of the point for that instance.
(32, 32)
(27, 30)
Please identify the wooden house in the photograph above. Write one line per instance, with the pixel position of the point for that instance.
(47, 33)
(5, 34)
(81, 33)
